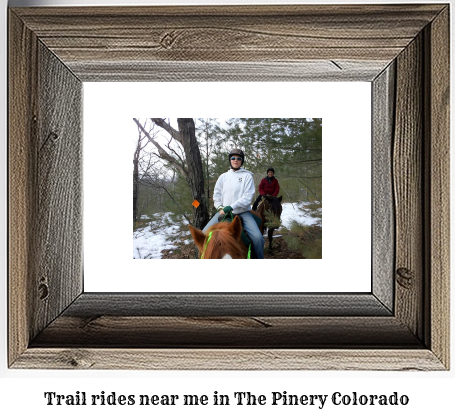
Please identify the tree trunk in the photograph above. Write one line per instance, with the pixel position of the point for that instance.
(135, 189)
(195, 171)
(207, 165)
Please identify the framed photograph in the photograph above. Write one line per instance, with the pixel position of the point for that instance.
(161, 229)
(402, 323)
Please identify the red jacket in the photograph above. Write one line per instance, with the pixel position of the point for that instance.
(266, 188)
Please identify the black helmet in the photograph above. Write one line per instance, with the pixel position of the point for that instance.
(271, 169)
(236, 152)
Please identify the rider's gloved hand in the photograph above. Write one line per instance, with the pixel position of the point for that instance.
(227, 209)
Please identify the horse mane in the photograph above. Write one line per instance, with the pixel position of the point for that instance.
(275, 206)
(223, 242)
(272, 204)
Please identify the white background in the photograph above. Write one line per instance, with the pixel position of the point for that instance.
(22, 391)
(109, 130)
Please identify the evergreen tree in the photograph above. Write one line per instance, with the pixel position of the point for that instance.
(292, 146)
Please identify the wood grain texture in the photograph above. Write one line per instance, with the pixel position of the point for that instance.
(438, 197)
(383, 215)
(329, 70)
(229, 359)
(90, 305)
(21, 131)
(58, 207)
(257, 332)
(400, 326)
(408, 187)
(45, 187)
(328, 39)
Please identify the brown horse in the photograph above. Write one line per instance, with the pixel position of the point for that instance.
(270, 206)
(223, 241)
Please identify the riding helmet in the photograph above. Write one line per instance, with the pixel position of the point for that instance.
(236, 152)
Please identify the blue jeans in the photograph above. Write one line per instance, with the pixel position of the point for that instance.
(252, 229)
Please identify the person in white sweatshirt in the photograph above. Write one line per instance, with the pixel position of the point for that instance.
(234, 191)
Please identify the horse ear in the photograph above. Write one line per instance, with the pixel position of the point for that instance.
(235, 228)
(198, 237)
(280, 198)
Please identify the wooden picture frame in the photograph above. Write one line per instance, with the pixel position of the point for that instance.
(402, 324)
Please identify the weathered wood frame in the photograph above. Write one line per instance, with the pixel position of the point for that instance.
(403, 324)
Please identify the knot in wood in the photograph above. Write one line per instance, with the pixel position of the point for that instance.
(405, 278)
(53, 137)
(43, 291)
(168, 39)
(76, 359)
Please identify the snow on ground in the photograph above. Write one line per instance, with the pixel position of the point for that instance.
(297, 212)
(150, 241)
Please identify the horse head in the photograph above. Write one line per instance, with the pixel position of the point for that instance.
(271, 221)
(275, 205)
(271, 204)
(222, 241)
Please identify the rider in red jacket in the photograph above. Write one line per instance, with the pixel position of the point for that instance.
(269, 186)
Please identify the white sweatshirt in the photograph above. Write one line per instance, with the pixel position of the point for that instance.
(234, 188)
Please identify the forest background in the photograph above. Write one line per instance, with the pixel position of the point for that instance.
(177, 161)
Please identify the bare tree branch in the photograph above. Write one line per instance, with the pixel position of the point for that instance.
(308, 189)
(304, 161)
(304, 177)
(156, 185)
(162, 153)
(182, 162)
(165, 126)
